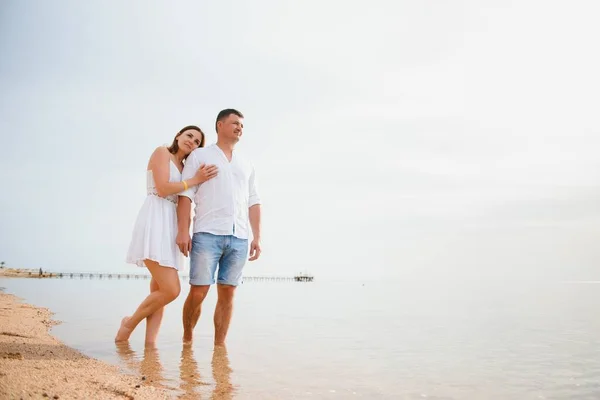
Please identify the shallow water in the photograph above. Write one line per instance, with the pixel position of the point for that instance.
(393, 340)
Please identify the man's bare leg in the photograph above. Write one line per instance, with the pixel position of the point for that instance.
(192, 309)
(153, 320)
(223, 312)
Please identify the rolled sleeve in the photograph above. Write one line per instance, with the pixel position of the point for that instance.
(254, 197)
(189, 170)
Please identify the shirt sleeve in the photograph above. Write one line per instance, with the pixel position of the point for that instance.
(253, 197)
(189, 170)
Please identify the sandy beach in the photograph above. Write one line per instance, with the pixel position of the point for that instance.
(34, 364)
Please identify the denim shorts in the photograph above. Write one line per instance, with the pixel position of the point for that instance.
(227, 251)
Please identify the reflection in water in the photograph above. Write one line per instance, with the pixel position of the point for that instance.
(189, 373)
(128, 356)
(149, 367)
(191, 382)
(222, 374)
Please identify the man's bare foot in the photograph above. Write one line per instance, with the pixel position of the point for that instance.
(124, 331)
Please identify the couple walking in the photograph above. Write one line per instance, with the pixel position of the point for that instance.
(227, 207)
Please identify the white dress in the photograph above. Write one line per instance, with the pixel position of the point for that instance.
(155, 228)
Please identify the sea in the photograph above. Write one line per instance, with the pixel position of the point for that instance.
(348, 339)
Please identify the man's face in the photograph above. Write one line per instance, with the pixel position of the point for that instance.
(231, 128)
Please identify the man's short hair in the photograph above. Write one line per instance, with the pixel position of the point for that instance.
(223, 114)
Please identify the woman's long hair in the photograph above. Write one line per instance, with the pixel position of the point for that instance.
(174, 147)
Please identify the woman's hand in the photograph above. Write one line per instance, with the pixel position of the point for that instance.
(204, 173)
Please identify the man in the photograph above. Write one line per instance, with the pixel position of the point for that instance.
(223, 207)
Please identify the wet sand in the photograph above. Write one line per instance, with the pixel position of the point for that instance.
(34, 364)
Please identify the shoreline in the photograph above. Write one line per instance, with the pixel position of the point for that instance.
(23, 273)
(33, 363)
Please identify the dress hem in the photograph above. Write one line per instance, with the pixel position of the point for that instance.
(140, 263)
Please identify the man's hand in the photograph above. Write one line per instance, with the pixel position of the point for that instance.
(254, 250)
(184, 242)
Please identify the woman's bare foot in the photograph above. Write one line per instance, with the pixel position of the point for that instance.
(124, 331)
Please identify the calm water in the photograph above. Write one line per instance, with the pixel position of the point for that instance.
(349, 340)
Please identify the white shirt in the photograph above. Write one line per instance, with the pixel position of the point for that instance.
(221, 203)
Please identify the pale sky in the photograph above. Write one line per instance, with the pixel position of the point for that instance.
(391, 139)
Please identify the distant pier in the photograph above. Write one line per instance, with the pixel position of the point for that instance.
(303, 278)
(112, 275)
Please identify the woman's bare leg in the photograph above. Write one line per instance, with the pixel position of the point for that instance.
(168, 290)
(153, 320)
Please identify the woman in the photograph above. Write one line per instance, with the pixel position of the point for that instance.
(153, 240)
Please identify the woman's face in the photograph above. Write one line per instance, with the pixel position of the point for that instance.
(189, 140)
